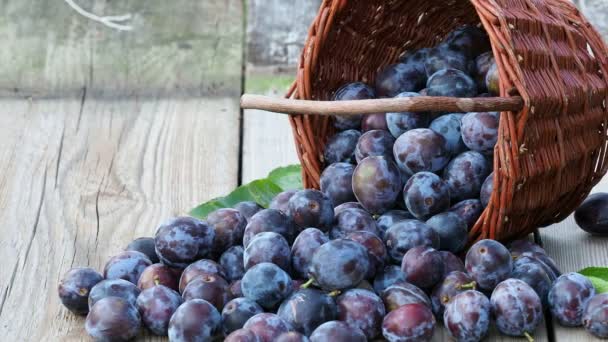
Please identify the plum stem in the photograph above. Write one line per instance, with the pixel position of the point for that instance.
(468, 286)
(334, 293)
(529, 337)
(307, 283)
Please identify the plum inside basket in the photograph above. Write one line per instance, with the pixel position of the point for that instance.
(505, 124)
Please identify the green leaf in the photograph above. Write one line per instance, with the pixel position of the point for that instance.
(288, 177)
(261, 191)
(598, 276)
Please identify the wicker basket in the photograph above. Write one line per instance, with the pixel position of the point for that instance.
(549, 155)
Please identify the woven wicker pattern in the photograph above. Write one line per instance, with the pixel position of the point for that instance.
(548, 156)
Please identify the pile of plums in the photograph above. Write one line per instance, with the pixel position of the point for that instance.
(376, 253)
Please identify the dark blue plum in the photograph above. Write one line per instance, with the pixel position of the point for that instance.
(398, 78)
(353, 220)
(113, 288)
(423, 266)
(404, 235)
(248, 209)
(311, 208)
(337, 331)
(113, 319)
(546, 262)
(451, 83)
(517, 308)
(465, 174)
(402, 293)
(211, 288)
(183, 240)
(292, 336)
(303, 249)
(337, 183)
(377, 184)
(493, 79)
(519, 247)
(388, 219)
(266, 284)
(441, 58)
(416, 59)
(401, 122)
(237, 312)
(467, 316)
(229, 226)
(341, 147)
(347, 205)
(391, 275)
(420, 150)
(195, 320)
(270, 220)
(469, 39)
(235, 289)
(339, 264)
(242, 335)
(200, 268)
(267, 326)
(452, 230)
(469, 210)
(451, 263)
(127, 265)
(594, 316)
(374, 121)
(281, 201)
(486, 190)
(426, 194)
(144, 245)
(535, 276)
(480, 131)
(376, 250)
(481, 65)
(411, 322)
(448, 126)
(352, 91)
(156, 305)
(75, 286)
(454, 283)
(232, 263)
(158, 274)
(488, 262)
(374, 143)
(363, 310)
(591, 215)
(268, 247)
(568, 298)
(306, 309)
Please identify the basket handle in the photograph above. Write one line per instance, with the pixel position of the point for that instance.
(392, 105)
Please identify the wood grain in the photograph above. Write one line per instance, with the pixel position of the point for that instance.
(84, 180)
(177, 47)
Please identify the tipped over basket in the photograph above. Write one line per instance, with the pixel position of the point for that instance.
(552, 63)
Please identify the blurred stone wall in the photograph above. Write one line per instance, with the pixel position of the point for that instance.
(276, 29)
(597, 13)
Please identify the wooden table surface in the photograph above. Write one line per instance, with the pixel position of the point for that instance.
(104, 134)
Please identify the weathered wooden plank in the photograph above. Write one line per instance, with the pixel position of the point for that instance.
(277, 30)
(80, 182)
(267, 138)
(177, 47)
(573, 250)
